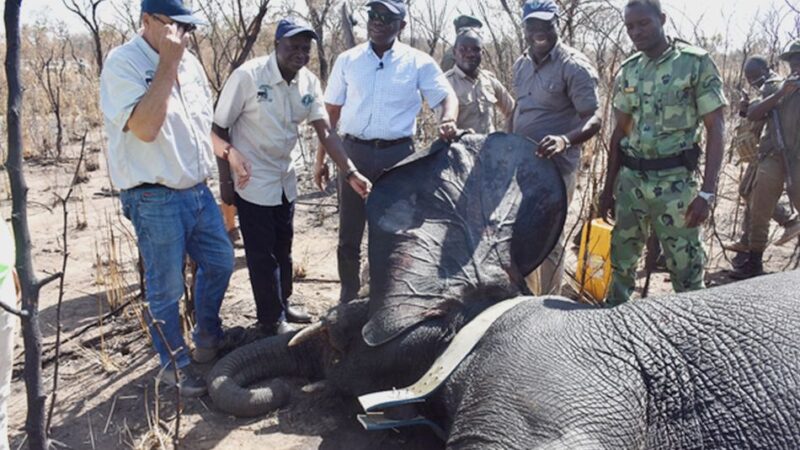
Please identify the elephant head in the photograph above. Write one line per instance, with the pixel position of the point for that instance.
(452, 230)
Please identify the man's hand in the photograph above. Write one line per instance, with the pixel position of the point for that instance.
(744, 103)
(239, 166)
(552, 145)
(172, 43)
(321, 174)
(448, 130)
(360, 184)
(697, 213)
(605, 204)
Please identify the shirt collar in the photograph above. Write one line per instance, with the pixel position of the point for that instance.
(148, 51)
(273, 73)
(664, 56)
(552, 55)
(397, 49)
(460, 73)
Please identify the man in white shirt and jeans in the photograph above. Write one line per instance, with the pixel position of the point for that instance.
(157, 109)
(258, 114)
(373, 95)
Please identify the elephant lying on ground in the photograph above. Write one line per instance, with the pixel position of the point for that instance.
(717, 368)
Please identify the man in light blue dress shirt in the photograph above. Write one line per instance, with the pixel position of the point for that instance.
(374, 94)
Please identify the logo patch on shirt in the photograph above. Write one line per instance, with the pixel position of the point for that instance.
(307, 100)
(264, 93)
(148, 77)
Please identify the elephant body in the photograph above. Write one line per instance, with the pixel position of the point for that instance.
(454, 230)
(718, 368)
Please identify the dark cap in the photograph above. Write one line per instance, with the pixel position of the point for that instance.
(289, 27)
(539, 9)
(174, 9)
(793, 48)
(465, 21)
(394, 6)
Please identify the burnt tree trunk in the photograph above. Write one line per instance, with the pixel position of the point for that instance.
(35, 421)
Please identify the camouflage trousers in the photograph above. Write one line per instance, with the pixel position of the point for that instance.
(660, 201)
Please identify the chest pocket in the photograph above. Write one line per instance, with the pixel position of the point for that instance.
(300, 106)
(678, 108)
(553, 92)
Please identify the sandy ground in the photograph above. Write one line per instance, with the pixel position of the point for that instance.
(106, 395)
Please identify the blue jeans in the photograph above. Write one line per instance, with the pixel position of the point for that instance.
(170, 223)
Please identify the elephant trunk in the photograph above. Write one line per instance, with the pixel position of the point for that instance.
(230, 379)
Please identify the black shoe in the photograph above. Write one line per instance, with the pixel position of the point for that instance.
(188, 378)
(233, 337)
(753, 267)
(296, 315)
(279, 327)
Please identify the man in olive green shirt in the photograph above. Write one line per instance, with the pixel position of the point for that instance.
(478, 91)
(663, 93)
(771, 176)
(461, 23)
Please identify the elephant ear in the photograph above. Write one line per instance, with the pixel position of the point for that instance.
(454, 220)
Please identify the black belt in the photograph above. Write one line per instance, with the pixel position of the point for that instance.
(686, 158)
(147, 185)
(377, 143)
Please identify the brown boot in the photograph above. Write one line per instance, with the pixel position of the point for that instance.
(753, 267)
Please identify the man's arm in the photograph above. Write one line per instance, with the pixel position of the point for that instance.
(759, 109)
(446, 113)
(504, 100)
(589, 125)
(624, 122)
(330, 141)
(698, 210)
(149, 114)
(321, 173)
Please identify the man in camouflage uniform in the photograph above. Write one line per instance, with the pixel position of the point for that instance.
(663, 92)
(760, 77)
(771, 174)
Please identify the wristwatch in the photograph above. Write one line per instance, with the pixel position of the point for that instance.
(709, 197)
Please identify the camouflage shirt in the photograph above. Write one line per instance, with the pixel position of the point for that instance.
(667, 98)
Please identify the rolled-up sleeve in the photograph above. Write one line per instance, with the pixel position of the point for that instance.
(336, 92)
(582, 86)
(231, 100)
(708, 90)
(121, 89)
(432, 82)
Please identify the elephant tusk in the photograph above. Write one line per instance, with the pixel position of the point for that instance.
(307, 333)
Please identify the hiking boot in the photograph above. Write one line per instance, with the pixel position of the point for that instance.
(232, 338)
(753, 267)
(191, 382)
(790, 231)
(738, 246)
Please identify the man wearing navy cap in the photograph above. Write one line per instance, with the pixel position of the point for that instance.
(374, 94)
(257, 115)
(556, 97)
(157, 111)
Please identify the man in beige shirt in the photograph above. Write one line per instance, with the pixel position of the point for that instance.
(478, 91)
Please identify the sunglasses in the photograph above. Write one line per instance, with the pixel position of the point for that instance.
(185, 27)
(384, 18)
